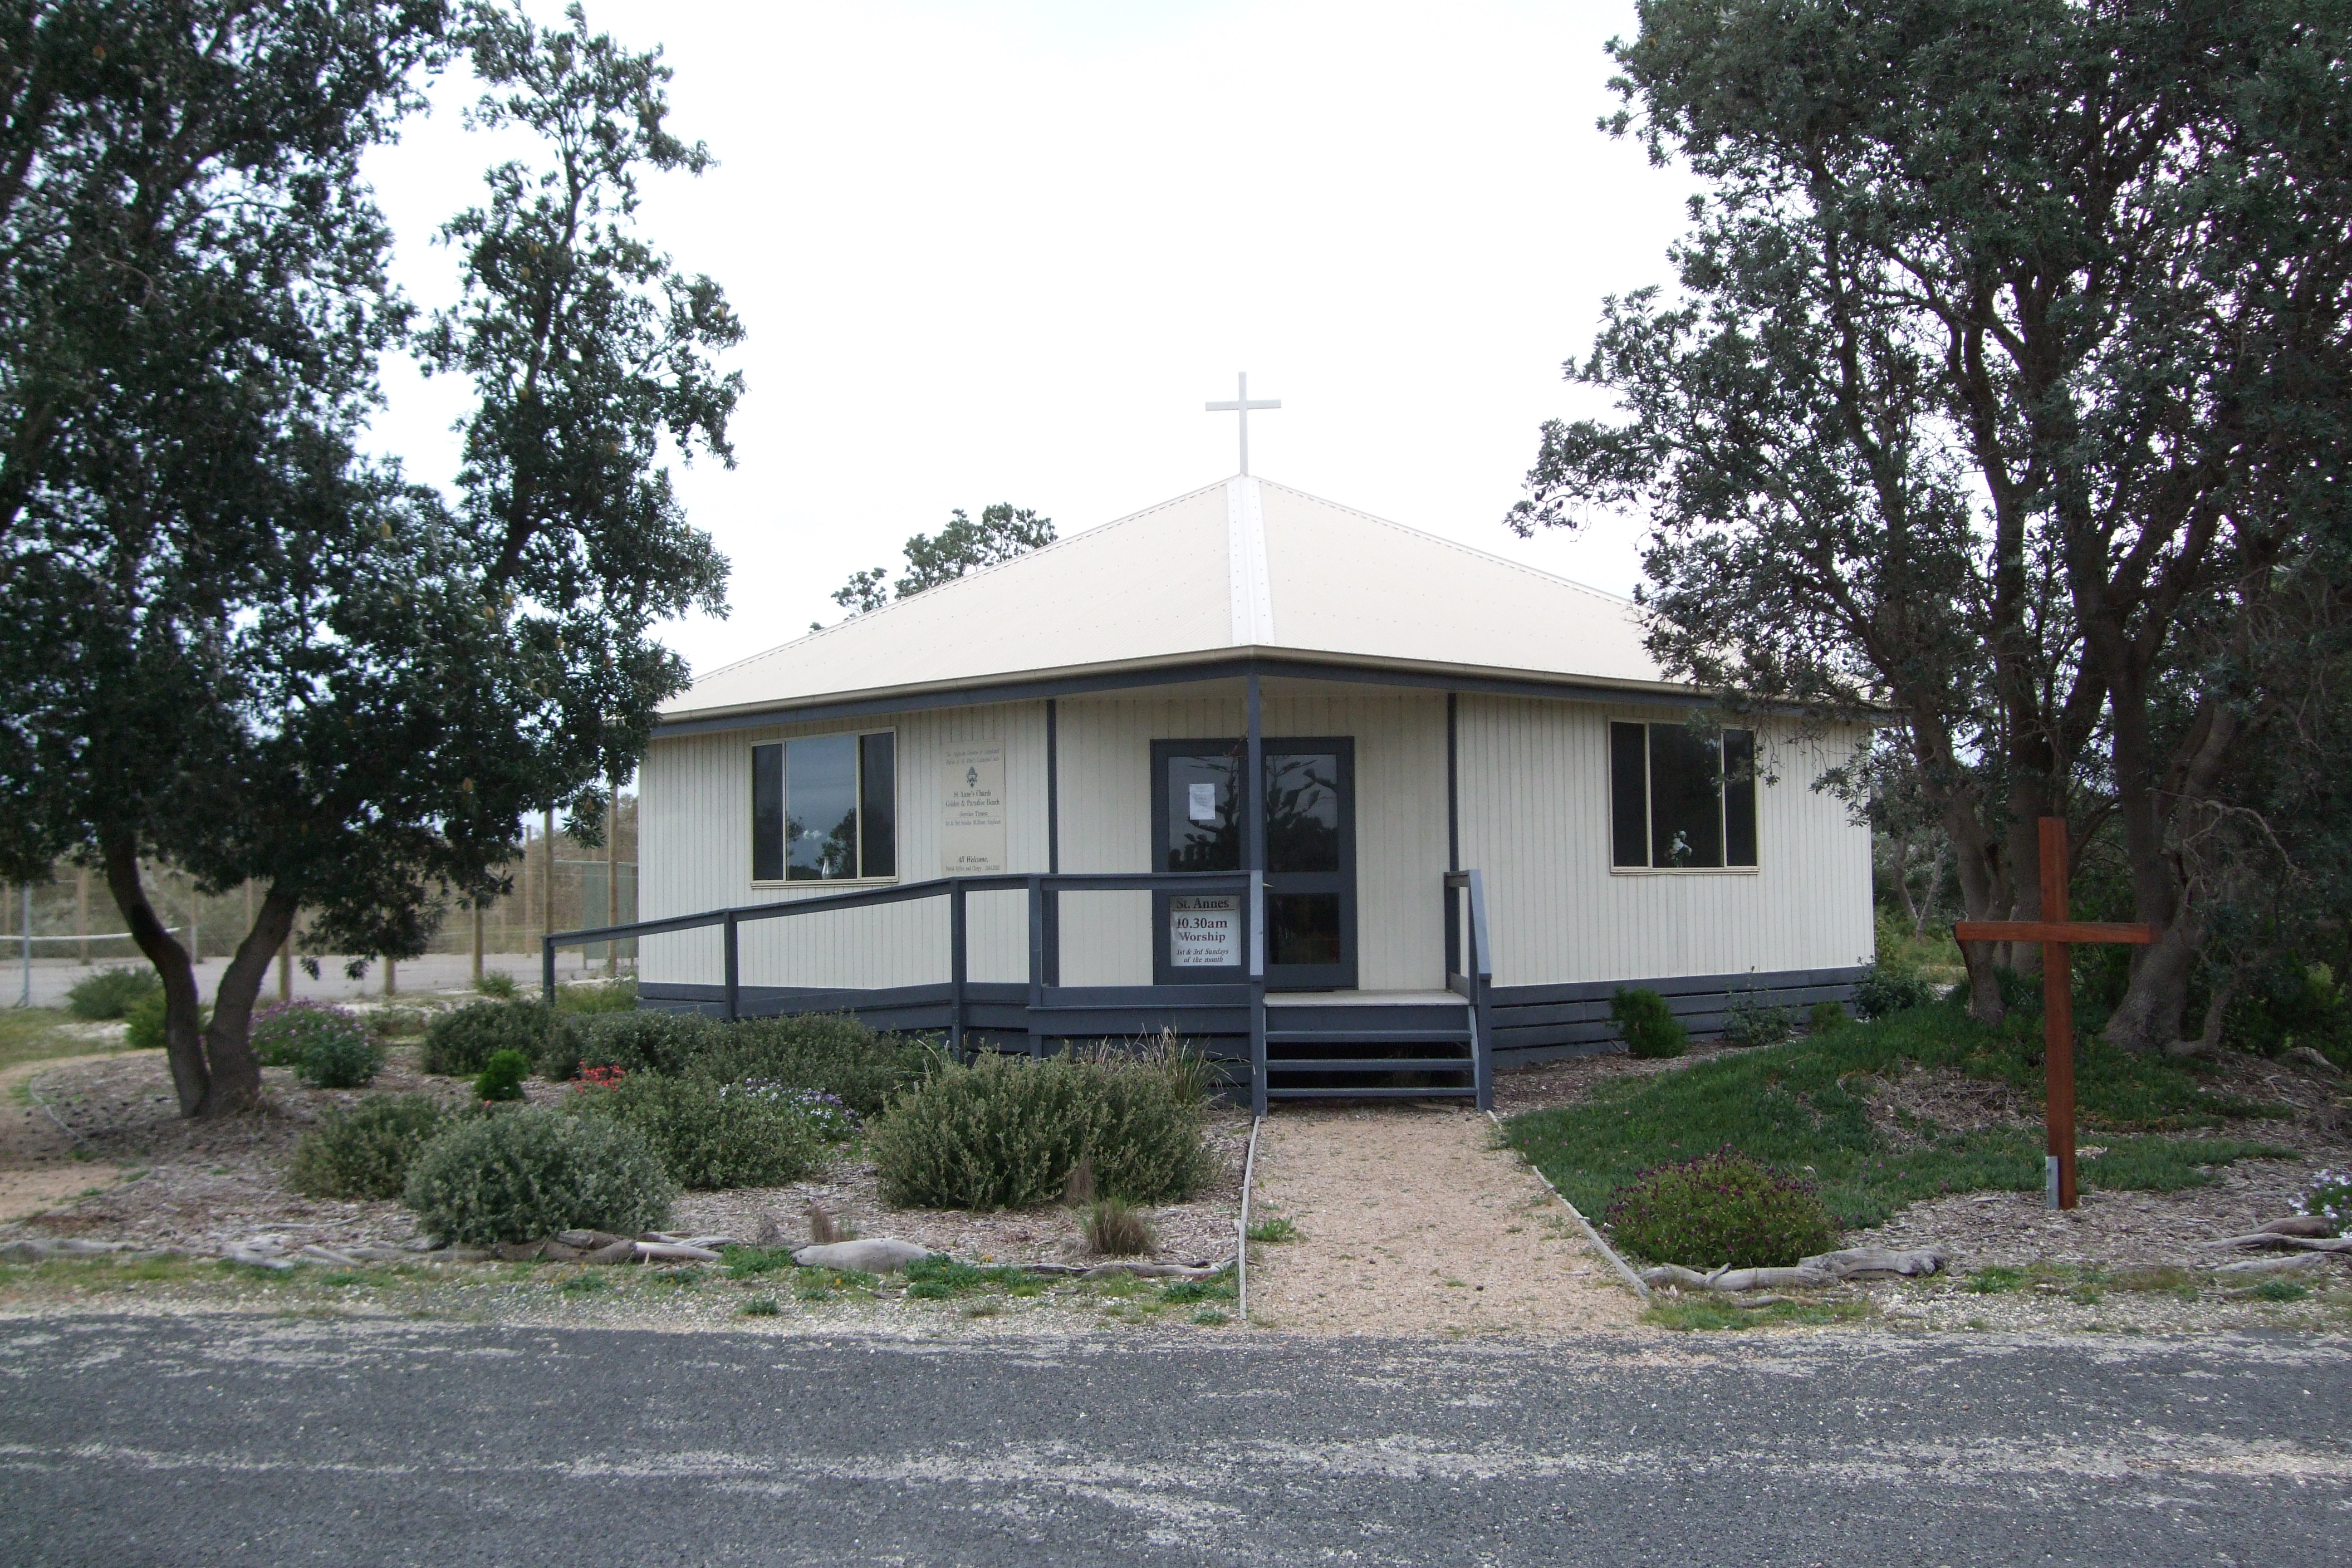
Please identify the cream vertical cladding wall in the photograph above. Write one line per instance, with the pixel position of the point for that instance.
(696, 854)
(1106, 805)
(1535, 819)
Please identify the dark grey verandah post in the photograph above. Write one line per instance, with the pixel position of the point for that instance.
(732, 1005)
(1253, 809)
(547, 968)
(957, 969)
(1037, 939)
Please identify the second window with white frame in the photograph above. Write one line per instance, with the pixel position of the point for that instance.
(1680, 800)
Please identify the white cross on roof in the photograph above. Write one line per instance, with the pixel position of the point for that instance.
(1241, 406)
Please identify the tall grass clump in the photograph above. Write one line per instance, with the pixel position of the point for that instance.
(1004, 1132)
(519, 1175)
(112, 993)
(1646, 1024)
(1722, 1209)
(365, 1152)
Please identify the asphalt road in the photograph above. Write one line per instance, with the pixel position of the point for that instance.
(248, 1441)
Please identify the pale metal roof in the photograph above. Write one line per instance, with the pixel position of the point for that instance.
(1241, 567)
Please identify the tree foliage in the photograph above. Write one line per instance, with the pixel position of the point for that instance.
(2005, 387)
(233, 643)
(1001, 534)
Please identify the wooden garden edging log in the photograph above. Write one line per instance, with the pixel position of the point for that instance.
(1824, 1269)
(2293, 1263)
(2295, 1243)
(1624, 1271)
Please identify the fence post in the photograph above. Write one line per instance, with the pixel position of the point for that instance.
(957, 972)
(1482, 981)
(734, 1005)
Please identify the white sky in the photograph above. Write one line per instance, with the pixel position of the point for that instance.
(1006, 251)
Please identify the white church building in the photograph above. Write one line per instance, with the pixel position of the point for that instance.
(1360, 809)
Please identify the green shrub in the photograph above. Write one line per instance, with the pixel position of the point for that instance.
(521, 1174)
(1749, 1022)
(460, 1042)
(1825, 1016)
(340, 1059)
(639, 1042)
(112, 993)
(1887, 988)
(712, 1136)
(1722, 1209)
(1646, 1024)
(143, 1028)
(831, 1052)
(283, 1031)
(503, 1076)
(1004, 1132)
(365, 1152)
(497, 987)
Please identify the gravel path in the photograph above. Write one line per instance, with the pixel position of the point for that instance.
(1412, 1220)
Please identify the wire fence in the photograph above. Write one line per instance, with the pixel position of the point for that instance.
(74, 917)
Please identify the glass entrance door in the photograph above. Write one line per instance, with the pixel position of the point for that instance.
(1309, 797)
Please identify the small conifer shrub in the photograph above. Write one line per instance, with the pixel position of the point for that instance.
(339, 1059)
(1646, 1024)
(501, 1077)
(112, 993)
(460, 1042)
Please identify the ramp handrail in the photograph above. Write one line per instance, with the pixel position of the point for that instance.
(1470, 973)
(1043, 889)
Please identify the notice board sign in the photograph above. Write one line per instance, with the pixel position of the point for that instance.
(1204, 930)
(971, 810)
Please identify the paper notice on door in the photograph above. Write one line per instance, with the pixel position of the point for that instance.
(1201, 802)
(1205, 929)
(972, 811)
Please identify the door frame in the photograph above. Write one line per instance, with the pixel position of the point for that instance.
(1339, 976)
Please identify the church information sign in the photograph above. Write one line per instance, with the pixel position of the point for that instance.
(971, 814)
(1204, 930)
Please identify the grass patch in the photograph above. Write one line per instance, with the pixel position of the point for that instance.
(936, 1278)
(39, 1035)
(1999, 1279)
(2279, 1291)
(1276, 1230)
(761, 1306)
(1219, 1287)
(1693, 1312)
(2159, 1280)
(1801, 1106)
(584, 1285)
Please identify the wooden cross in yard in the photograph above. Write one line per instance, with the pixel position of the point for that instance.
(2057, 936)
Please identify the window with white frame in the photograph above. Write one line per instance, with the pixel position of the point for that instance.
(823, 808)
(1681, 801)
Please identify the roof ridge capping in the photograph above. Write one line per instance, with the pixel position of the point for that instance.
(953, 582)
(1456, 545)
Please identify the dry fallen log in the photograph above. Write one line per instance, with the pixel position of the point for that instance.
(621, 1251)
(672, 1252)
(872, 1255)
(2298, 1225)
(2297, 1243)
(328, 1255)
(1825, 1268)
(1156, 1270)
(2293, 1263)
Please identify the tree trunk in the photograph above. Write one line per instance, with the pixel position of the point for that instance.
(183, 1045)
(1935, 886)
(1903, 880)
(235, 1070)
(213, 1069)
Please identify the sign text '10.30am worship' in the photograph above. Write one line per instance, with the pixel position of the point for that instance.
(1204, 930)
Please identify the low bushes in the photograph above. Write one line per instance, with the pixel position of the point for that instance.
(1722, 1209)
(143, 1024)
(460, 1042)
(340, 1059)
(832, 1054)
(112, 993)
(1004, 1132)
(365, 1152)
(1750, 1021)
(282, 1031)
(710, 1135)
(520, 1175)
(1646, 1024)
(1887, 988)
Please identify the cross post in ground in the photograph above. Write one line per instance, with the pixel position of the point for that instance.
(2058, 935)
